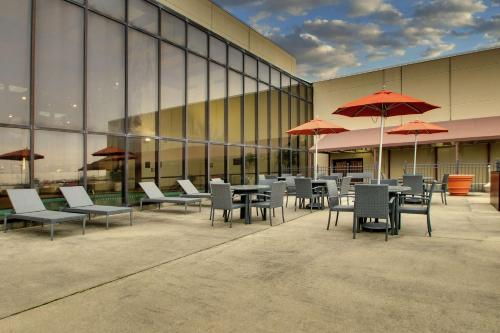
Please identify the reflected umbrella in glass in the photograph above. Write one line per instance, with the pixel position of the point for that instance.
(22, 155)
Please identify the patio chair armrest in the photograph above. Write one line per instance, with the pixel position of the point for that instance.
(263, 195)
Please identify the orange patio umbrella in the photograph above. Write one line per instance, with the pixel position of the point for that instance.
(21, 155)
(384, 104)
(316, 127)
(109, 151)
(415, 128)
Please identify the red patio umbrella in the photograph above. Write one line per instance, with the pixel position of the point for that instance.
(417, 127)
(316, 127)
(109, 151)
(384, 104)
(20, 155)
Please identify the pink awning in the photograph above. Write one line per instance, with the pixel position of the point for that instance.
(459, 130)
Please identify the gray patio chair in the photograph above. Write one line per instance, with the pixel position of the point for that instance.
(334, 202)
(371, 201)
(422, 210)
(416, 182)
(345, 189)
(154, 195)
(275, 200)
(390, 182)
(444, 188)
(190, 191)
(28, 206)
(305, 190)
(79, 202)
(222, 199)
(290, 187)
(271, 177)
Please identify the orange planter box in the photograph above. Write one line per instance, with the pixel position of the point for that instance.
(459, 184)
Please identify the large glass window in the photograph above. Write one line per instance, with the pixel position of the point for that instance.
(15, 61)
(275, 125)
(234, 164)
(250, 165)
(141, 167)
(304, 169)
(197, 40)
(105, 75)
(115, 8)
(217, 161)
(172, 91)
(217, 50)
(294, 164)
(59, 65)
(303, 119)
(250, 65)
(275, 161)
(217, 102)
(171, 164)
(285, 82)
(250, 111)
(263, 160)
(62, 166)
(285, 162)
(196, 164)
(14, 161)
(173, 28)
(294, 117)
(263, 114)
(263, 72)
(275, 78)
(285, 120)
(142, 83)
(235, 59)
(197, 96)
(294, 87)
(143, 15)
(105, 168)
(235, 90)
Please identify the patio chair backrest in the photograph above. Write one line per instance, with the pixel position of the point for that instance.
(151, 190)
(187, 186)
(371, 201)
(333, 193)
(444, 183)
(303, 187)
(277, 193)
(328, 177)
(416, 182)
(221, 196)
(290, 182)
(390, 182)
(215, 181)
(345, 185)
(271, 177)
(364, 176)
(286, 175)
(76, 196)
(337, 174)
(267, 181)
(25, 200)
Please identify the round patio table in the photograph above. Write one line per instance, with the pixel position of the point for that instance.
(246, 192)
(394, 191)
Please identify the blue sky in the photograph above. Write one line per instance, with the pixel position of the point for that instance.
(331, 38)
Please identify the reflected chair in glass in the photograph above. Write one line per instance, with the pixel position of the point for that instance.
(305, 190)
(334, 202)
(416, 182)
(444, 188)
(222, 199)
(273, 200)
(372, 201)
(423, 210)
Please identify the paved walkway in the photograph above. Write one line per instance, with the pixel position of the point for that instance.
(173, 272)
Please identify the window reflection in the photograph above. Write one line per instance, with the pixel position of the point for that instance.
(263, 115)
(172, 91)
(59, 49)
(142, 83)
(263, 160)
(250, 110)
(217, 102)
(275, 78)
(304, 169)
(196, 165)
(105, 168)
(171, 164)
(285, 82)
(235, 91)
(275, 162)
(14, 61)
(234, 164)
(294, 88)
(143, 15)
(142, 166)
(250, 66)
(217, 50)
(197, 96)
(285, 120)
(294, 117)
(197, 40)
(303, 119)
(235, 59)
(250, 165)
(173, 28)
(217, 162)
(275, 125)
(263, 72)
(115, 8)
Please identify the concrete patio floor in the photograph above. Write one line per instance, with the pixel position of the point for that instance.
(174, 272)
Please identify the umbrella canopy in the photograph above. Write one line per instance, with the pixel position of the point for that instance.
(316, 127)
(384, 104)
(20, 155)
(109, 151)
(415, 128)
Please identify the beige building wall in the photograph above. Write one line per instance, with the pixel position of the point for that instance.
(216, 19)
(465, 86)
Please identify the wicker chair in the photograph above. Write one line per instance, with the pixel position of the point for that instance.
(222, 198)
(416, 182)
(345, 187)
(290, 187)
(371, 201)
(390, 182)
(424, 210)
(444, 188)
(304, 190)
(334, 202)
(275, 200)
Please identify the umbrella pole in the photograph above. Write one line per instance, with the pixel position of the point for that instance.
(415, 156)
(315, 156)
(379, 171)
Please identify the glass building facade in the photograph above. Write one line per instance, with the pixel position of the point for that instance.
(108, 93)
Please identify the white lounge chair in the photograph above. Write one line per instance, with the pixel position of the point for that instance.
(190, 191)
(154, 195)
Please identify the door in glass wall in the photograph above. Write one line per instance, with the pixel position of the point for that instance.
(59, 65)
(234, 164)
(217, 162)
(263, 116)
(14, 161)
(303, 166)
(197, 97)
(250, 103)
(142, 166)
(196, 165)
(235, 90)
(250, 165)
(15, 61)
(142, 83)
(61, 165)
(171, 165)
(172, 91)
(106, 168)
(217, 102)
(105, 75)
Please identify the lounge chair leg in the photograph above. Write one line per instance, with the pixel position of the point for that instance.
(329, 217)
(51, 231)
(337, 219)
(270, 217)
(107, 221)
(283, 214)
